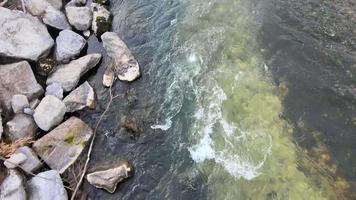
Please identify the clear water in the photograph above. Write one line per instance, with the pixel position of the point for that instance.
(210, 93)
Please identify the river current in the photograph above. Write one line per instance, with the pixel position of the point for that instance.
(210, 111)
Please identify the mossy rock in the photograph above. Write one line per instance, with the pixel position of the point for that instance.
(45, 66)
(103, 25)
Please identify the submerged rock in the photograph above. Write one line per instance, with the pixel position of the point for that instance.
(19, 102)
(79, 17)
(83, 96)
(47, 186)
(68, 45)
(125, 65)
(63, 145)
(21, 126)
(12, 187)
(17, 78)
(101, 19)
(55, 89)
(15, 160)
(23, 36)
(55, 19)
(49, 112)
(32, 162)
(68, 75)
(108, 177)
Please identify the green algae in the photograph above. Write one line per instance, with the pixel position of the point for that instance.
(253, 105)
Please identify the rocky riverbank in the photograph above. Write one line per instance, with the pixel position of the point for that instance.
(44, 69)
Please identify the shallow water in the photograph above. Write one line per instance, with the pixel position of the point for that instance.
(209, 108)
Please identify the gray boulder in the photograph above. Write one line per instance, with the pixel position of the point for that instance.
(49, 112)
(38, 7)
(23, 36)
(55, 89)
(47, 186)
(19, 102)
(108, 77)
(81, 97)
(125, 65)
(68, 75)
(61, 147)
(108, 177)
(68, 45)
(55, 19)
(21, 126)
(76, 3)
(15, 160)
(56, 3)
(12, 187)
(101, 19)
(17, 78)
(79, 17)
(32, 162)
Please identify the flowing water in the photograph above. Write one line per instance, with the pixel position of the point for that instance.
(211, 112)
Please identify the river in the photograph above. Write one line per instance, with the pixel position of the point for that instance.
(214, 121)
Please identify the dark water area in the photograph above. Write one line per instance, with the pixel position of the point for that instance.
(186, 141)
(318, 72)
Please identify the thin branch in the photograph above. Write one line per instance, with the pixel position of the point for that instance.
(92, 144)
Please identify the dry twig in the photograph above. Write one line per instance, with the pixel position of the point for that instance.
(92, 144)
(6, 150)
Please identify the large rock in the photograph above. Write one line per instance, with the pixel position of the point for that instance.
(63, 145)
(83, 96)
(38, 7)
(55, 19)
(68, 45)
(49, 112)
(125, 65)
(32, 162)
(68, 75)
(47, 186)
(108, 177)
(79, 17)
(12, 187)
(23, 36)
(19, 102)
(17, 78)
(101, 19)
(21, 126)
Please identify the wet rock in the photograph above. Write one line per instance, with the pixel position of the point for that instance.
(47, 186)
(45, 66)
(83, 96)
(19, 102)
(63, 145)
(55, 89)
(21, 126)
(68, 75)
(125, 65)
(15, 160)
(32, 162)
(108, 177)
(79, 17)
(23, 36)
(68, 45)
(17, 78)
(108, 78)
(12, 187)
(55, 19)
(49, 112)
(101, 19)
